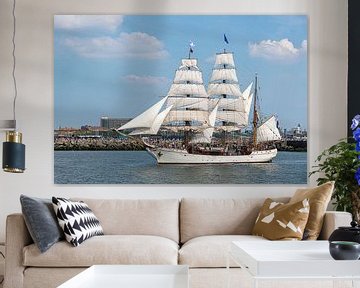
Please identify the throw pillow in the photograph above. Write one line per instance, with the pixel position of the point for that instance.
(41, 222)
(279, 221)
(319, 198)
(77, 220)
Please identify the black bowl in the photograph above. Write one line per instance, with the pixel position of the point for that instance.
(344, 250)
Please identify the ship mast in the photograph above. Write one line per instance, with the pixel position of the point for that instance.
(224, 89)
(189, 101)
(188, 123)
(255, 119)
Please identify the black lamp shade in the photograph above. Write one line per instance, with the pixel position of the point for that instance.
(13, 157)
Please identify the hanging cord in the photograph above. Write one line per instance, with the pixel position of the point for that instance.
(14, 61)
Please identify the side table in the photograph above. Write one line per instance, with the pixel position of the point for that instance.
(293, 264)
(131, 276)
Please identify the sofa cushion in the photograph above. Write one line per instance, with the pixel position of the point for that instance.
(35, 277)
(279, 221)
(319, 198)
(211, 251)
(158, 217)
(107, 249)
(41, 221)
(77, 220)
(201, 217)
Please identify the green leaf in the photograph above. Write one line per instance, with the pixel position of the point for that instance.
(339, 163)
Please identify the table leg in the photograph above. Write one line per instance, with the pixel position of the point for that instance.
(355, 283)
(228, 270)
(255, 283)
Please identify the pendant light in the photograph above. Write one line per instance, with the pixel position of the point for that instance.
(13, 149)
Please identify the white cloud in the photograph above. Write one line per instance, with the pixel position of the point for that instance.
(304, 45)
(277, 50)
(145, 80)
(127, 45)
(80, 22)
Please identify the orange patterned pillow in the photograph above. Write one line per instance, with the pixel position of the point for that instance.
(279, 221)
(319, 198)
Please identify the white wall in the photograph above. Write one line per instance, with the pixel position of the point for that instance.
(327, 89)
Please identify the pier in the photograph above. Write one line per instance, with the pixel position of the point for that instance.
(96, 144)
(125, 144)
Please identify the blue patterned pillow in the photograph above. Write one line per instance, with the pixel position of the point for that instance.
(41, 222)
(77, 220)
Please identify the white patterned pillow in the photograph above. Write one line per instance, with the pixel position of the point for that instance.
(77, 220)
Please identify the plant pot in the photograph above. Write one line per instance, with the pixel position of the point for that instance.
(343, 250)
(351, 233)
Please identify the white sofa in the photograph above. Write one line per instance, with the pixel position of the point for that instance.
(194, 232)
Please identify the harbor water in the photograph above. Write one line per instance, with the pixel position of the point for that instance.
(138, 167)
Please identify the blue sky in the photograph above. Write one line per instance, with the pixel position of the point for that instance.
(118, 66)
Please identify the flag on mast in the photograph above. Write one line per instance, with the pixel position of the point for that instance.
(225, 39)
(191, 45)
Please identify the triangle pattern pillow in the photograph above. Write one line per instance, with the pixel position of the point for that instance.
(279, 221)
(77, 220)
(319, 198)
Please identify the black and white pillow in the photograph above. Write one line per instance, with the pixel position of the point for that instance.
(77, 220)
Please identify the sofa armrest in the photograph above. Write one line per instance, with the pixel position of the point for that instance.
(17, 237)
(333, 220)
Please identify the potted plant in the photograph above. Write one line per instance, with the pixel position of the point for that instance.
(341, 163)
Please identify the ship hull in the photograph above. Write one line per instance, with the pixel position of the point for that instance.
(176, 156)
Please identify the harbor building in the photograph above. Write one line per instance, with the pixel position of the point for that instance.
(109, 123)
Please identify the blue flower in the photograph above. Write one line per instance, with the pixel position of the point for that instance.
(357, 176)
(356, 134)
(355, 122)
(355, 126)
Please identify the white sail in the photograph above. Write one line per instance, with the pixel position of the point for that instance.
(247, 106)
(187, 115)
(224, 89)
(226, 59)
(247, 101)
(183, 76)
(238, 118)
(188, 63)
(181, 103)
(234, 108)
(195, 90)
(153, 130)
(145, 119)
(224, 74)
(247, 91)
(188, 98)
(228, 104)
(268, 131)
(229, 128)
(206, 135)
(212, 116)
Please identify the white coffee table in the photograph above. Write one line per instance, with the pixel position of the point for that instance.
(131, 276)
(293, 260)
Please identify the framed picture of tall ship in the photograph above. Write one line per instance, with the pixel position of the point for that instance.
(190, 99)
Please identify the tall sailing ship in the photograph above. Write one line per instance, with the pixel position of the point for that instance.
(207, 123)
